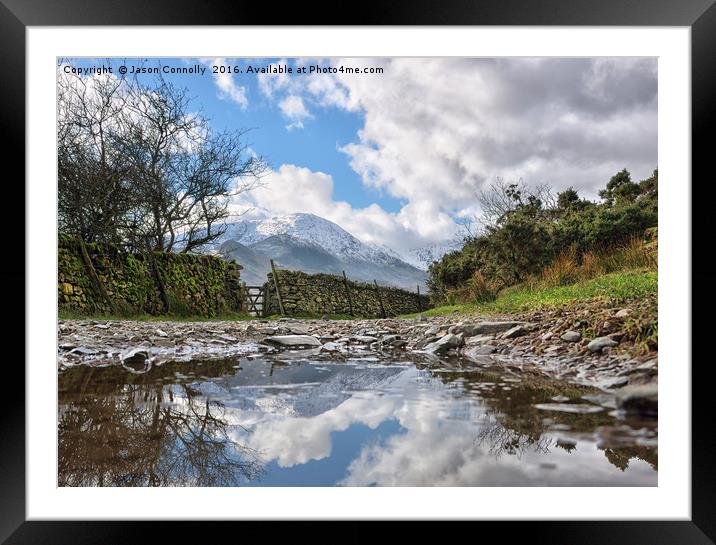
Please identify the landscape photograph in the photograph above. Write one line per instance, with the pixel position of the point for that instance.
(318, 272)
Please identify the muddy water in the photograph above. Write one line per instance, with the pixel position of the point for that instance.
(299, 420)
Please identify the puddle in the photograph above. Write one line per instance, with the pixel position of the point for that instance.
(305, 421)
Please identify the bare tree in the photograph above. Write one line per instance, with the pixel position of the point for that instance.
(501, 439)
(147, 434)
(502, 198)
(137, 165)
(94, 191)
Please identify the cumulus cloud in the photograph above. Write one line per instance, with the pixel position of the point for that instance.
(292, 189)
(436, 130)
(447, 126)
(228, 89)
(295, 110)
(292, 107)
(271, 84)
(411, 459)
(298, 440)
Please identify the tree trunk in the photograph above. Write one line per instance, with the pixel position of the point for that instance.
(160, 282)
(92, 273)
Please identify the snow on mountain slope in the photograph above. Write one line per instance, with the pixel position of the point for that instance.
(423, 256)
(308, 242)
(307, 227)
(313, 229)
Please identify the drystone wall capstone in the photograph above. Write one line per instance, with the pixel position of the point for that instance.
(318, 294)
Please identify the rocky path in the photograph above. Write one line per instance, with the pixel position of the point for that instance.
(553, 347)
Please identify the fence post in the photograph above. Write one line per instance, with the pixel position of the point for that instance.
(380, 299)
(278, 291)
(420, 305)
(348, 293)
(262, 295)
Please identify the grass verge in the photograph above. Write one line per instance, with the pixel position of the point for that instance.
(315, 316)
(614, 288)
(230, 317)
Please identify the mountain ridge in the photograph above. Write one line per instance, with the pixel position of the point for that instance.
(312, 244)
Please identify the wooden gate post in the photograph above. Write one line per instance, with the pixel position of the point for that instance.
(278, 291)
(348, 293)
(380, 299)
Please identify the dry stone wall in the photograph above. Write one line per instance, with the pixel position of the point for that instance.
(318, 294)
(124, 283)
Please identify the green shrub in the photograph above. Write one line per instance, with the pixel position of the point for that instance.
(543, 243)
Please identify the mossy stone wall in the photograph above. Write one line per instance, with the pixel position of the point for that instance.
(317, 294)
(195, 284)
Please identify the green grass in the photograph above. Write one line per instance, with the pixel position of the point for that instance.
(315, 316)
(614, 288)
(229, 317)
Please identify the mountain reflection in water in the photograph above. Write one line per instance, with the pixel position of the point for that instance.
(301, 422)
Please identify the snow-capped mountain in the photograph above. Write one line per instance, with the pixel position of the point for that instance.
(312, 244)
(306, 227)
(423, 256)
(302, 390)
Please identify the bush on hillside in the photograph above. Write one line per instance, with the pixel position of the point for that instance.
(537, 236)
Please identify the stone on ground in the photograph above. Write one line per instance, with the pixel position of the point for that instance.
(514, 332)
(445, 343)
(571, 336)
(477, 353)
(292, 341)
(486, 328)
(598, 344)
(639, 399)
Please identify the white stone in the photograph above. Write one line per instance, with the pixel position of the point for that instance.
(292, 341)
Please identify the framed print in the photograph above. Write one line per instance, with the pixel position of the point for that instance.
(407, 268)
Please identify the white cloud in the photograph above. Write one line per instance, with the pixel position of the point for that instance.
(435, 130)
(298, 440)
(227, 86)
(292, 189)
(292, 107)
(411, 459)
(273, 83)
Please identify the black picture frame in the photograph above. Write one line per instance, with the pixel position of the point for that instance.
(699, 15)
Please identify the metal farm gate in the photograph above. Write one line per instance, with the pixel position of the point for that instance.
(255, 300)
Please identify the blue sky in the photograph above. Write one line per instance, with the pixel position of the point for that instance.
(315, 146)
(397, 157)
